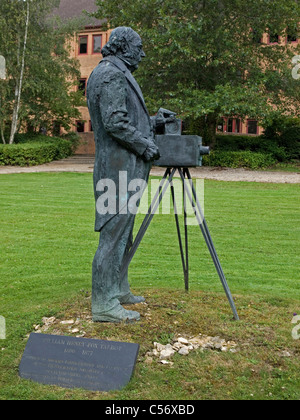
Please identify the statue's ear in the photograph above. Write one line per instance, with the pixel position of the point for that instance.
(124, 47)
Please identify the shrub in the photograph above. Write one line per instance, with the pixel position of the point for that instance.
(257, 144)
(242, 159)
(278, 125)
(35, 152)
(64, 148)
(73, 137)
(290, 140)
(232, 143)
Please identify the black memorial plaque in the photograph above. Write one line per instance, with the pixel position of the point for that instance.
(70, 362)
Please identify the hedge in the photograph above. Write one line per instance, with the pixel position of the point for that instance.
(34, 153)
(242, 159)
(290, 140)
(257, 144)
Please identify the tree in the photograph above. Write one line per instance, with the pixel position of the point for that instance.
(19, 80)
(40, 73)
(204, 59)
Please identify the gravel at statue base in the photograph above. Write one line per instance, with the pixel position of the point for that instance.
(183, 346)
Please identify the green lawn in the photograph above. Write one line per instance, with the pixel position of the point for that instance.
(47, 248)
(293, 166)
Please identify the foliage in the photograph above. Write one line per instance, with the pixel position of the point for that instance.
(49, 74)
(277, 124)
(203, 58)
(35, 151)
(258, 144)
(243, 159)
(72, 137)
(290, 140)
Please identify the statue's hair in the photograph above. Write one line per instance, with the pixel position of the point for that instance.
(118, 38)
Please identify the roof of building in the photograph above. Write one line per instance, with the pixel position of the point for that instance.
(74, 8)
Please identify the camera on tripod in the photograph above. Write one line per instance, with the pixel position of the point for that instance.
(177, 153)
(177, 150)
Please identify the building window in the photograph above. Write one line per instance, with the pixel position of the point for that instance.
(252, 127)
(256, 37)
(230, 125)
(83, 44)
(220, 125)
(91, 126)
(237, 126)
(292, 34)
(82, 86)
(97, 44)
(273, 39)
(292, 38)
(56, 129)
(80, 126)
(233, 125)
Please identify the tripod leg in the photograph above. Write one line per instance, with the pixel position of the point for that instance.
(206, 234)
(149, 216)
(204, 223)
(186, 277)
(183, 260)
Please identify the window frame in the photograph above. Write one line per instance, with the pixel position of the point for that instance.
(87, 44)
(93, 45)
(221, 122)
(85, 85)
(250, 120)
(292, 42)
(276, 42)
(230, 122)
(237, 124)
(83, 125)
(296, 34)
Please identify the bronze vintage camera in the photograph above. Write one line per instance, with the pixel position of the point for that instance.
(177, 150)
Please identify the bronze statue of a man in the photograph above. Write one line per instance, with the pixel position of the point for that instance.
(125, 149)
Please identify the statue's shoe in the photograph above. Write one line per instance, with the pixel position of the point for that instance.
(116, 315)
(130, 299)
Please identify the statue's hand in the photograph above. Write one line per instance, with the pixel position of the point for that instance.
(151, 153)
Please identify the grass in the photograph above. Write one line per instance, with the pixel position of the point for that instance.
(47, 247)
(293, 166)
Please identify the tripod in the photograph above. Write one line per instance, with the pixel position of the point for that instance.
(190, 193)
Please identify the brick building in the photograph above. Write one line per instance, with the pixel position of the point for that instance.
(250, 126)
(86, 47)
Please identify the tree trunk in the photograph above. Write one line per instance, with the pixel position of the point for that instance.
(1, 128)
(205, 127)
(2, 135)
(210, 130)
(18, 90)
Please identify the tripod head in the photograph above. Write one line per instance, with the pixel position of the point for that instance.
(177, 150)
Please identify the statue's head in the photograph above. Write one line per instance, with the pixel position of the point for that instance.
(126, 44)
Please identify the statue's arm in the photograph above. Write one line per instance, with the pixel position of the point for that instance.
(115, 115)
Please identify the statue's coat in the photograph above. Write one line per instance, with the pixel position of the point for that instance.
(121, 125)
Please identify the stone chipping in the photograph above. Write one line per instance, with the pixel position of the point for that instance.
(184, 346)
